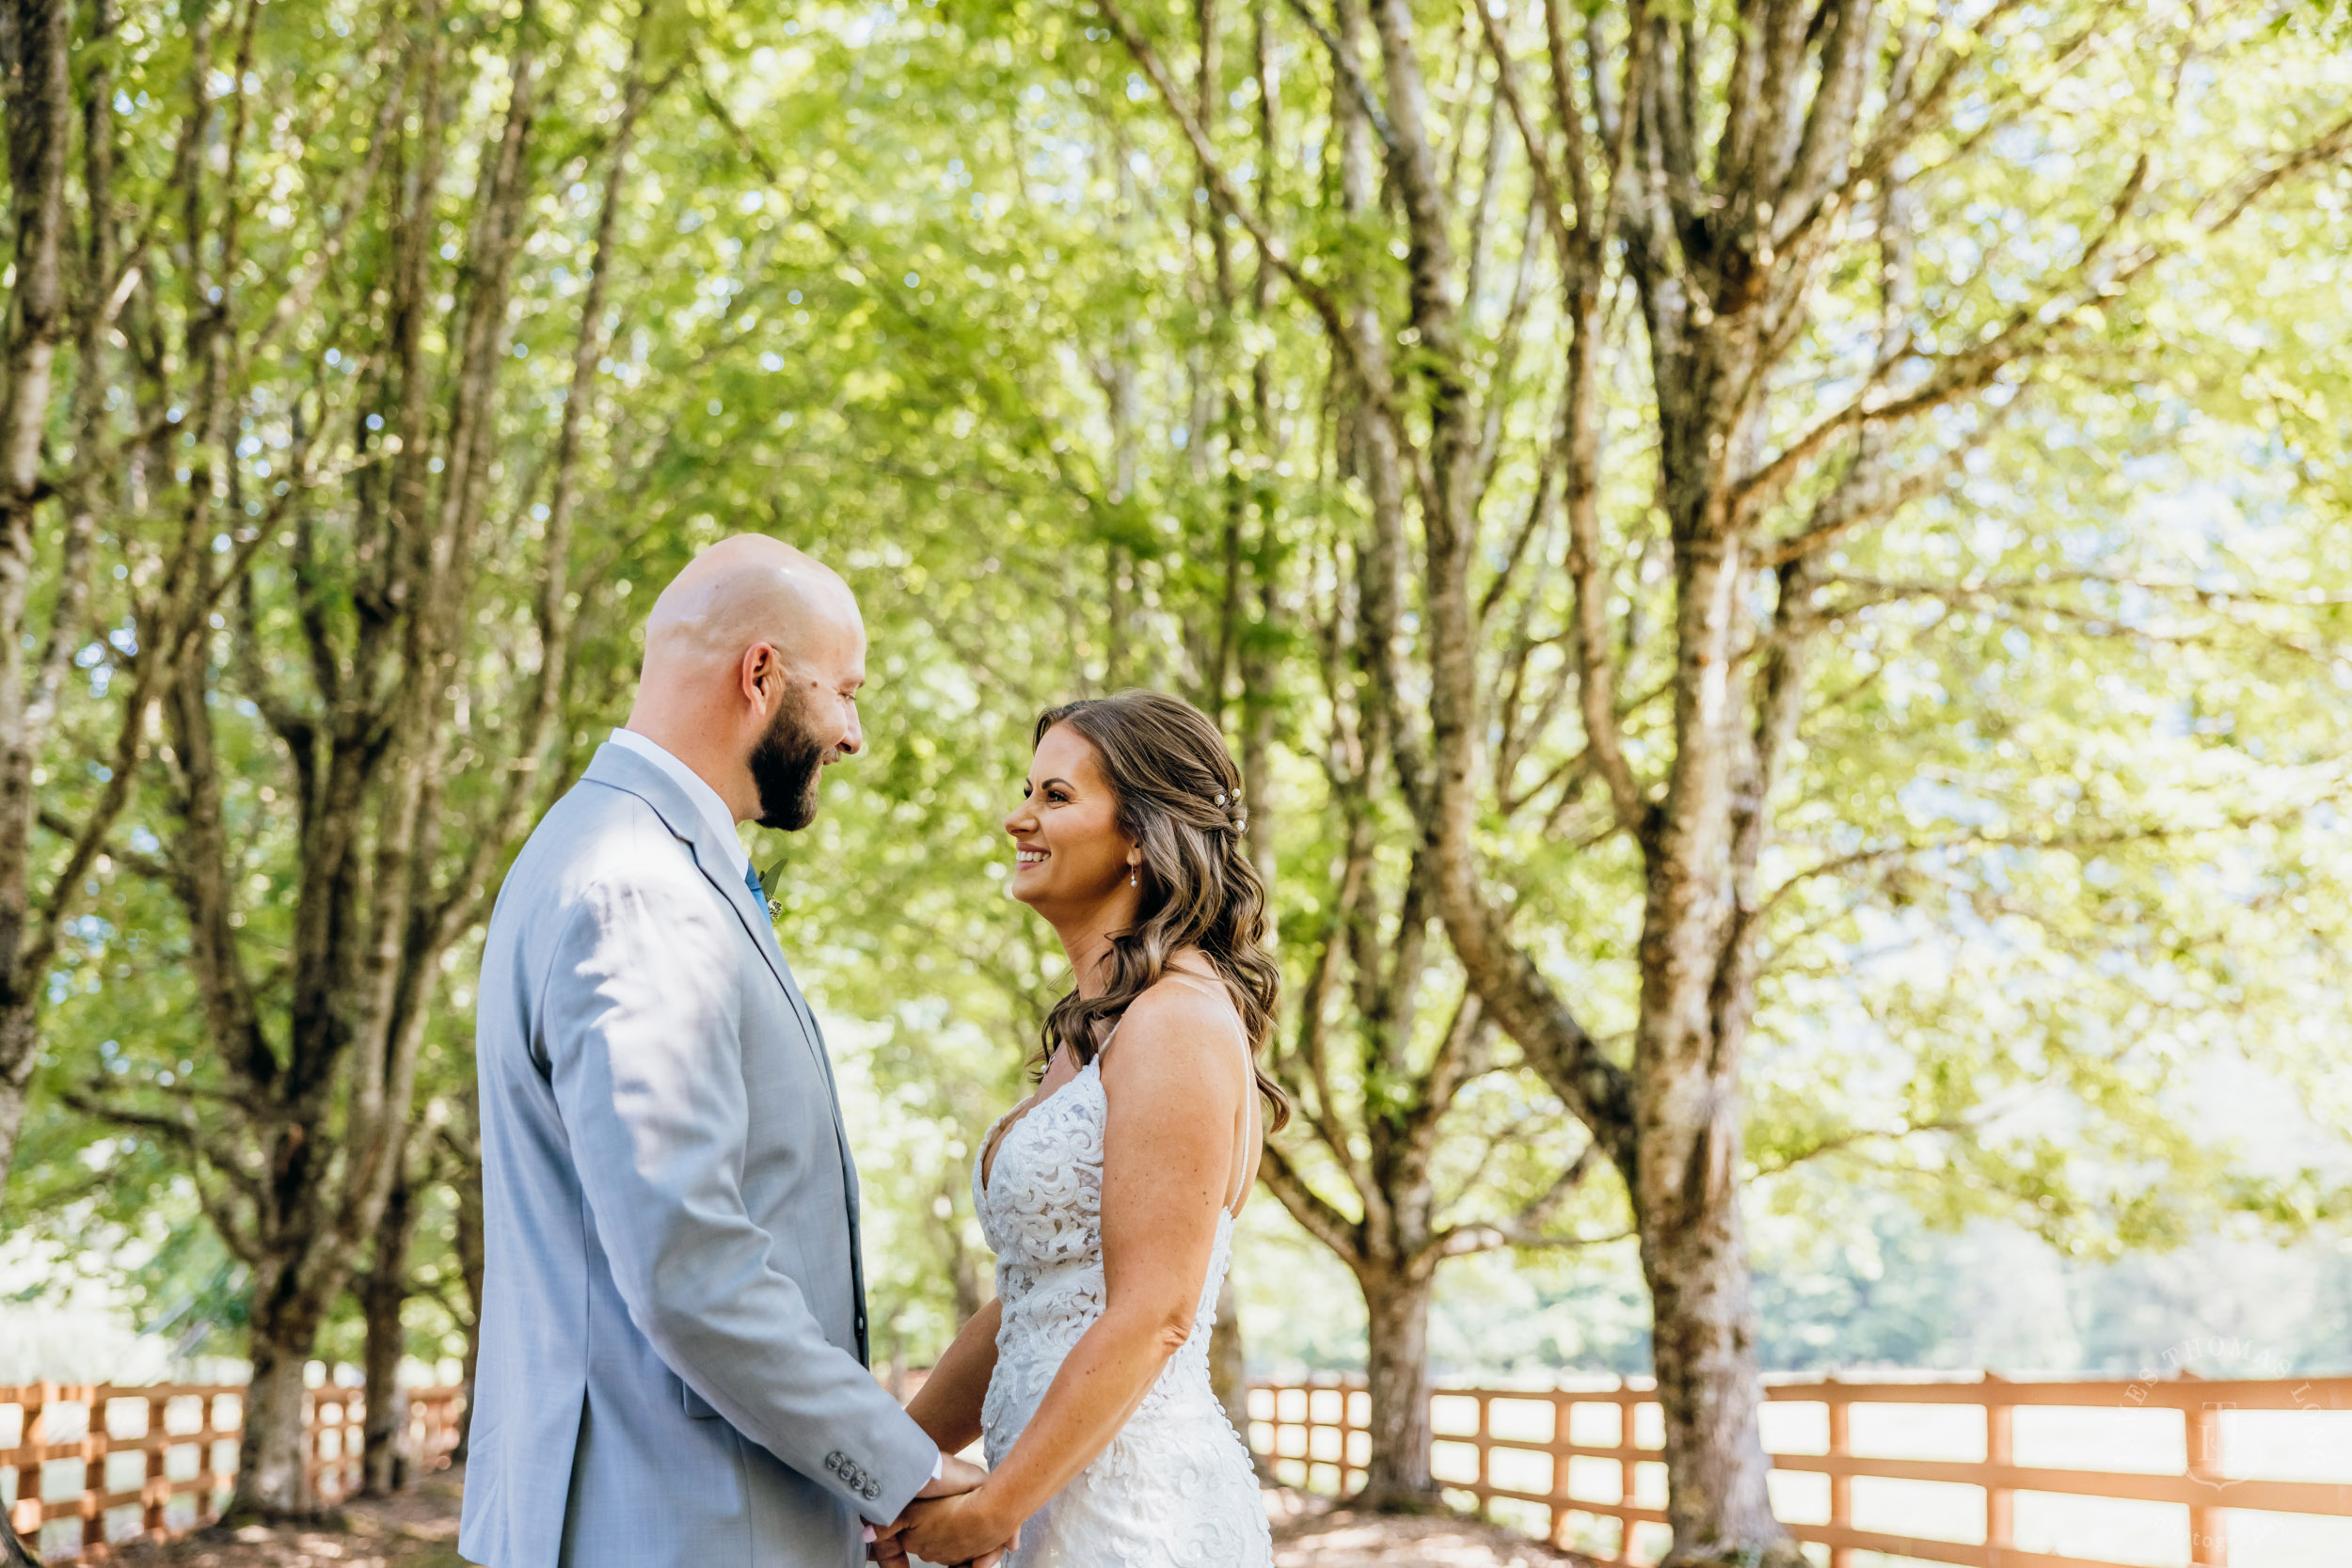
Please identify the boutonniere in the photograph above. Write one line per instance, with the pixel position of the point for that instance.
(768, 883)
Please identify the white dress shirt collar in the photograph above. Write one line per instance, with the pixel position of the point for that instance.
(705, 799)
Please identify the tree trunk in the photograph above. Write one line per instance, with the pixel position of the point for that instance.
(18, 1051)
(273, 1454)
(34, 81)
(1703, 1353)
(382, 1296)
(1396, 1475)
(470, 1266)
(465, 1416)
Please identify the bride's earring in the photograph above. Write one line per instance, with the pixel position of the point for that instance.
(1131, 876)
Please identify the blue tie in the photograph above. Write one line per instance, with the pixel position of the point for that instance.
(751, 879)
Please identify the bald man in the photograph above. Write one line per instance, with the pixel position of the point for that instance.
(673, 1339)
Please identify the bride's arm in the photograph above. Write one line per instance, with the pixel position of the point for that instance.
(1173, 1082)
(947, 1405)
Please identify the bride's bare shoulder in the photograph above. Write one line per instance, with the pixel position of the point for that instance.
(1183, 1026)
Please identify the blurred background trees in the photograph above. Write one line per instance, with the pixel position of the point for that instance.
(1782, 603)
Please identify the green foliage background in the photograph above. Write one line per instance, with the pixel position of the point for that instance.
(2081, 793)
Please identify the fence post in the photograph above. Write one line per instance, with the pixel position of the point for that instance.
(1559, 1516)
(157, 1489)
(1350, 1427)
(1479, 1439)
(1339, 1423)
(1628, 1471)
(1315, 1423)
(314, 1440)
(208, 1437)
(93, 1468)
(2208, 1527)
(1306, 1436)
(31, 1435)
(1840, 1483)
(2000, 1503)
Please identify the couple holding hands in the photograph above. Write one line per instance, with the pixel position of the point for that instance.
(673, 1368)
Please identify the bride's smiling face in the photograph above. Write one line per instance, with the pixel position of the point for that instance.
(1070, 853)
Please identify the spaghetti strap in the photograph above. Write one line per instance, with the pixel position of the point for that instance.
(1250, 1075)
(1103, 1049)
(1250, 1081)
(1248, 1120)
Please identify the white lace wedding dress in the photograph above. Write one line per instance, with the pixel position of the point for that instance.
(1175, 1488)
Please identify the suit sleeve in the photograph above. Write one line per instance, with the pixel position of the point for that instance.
(642, 1026)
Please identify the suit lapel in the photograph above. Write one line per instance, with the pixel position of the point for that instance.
(763, 935)
(623, 769)
(755, 914)
(772, 951)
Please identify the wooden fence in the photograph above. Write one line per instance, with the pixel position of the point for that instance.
(1315, 1436)
(157, 1462)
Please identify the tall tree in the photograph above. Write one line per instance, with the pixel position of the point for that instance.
(387, 1285)
(361, 674)
(1729, 167)
(35, 82)
(65, 296)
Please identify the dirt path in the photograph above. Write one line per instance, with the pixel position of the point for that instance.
(1309, 1534)
(416, 1529)
(419, 1529)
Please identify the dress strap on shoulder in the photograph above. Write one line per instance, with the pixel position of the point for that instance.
(1247, 1123)
(1109, 1037)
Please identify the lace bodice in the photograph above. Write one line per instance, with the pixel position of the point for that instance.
(1175, 1488)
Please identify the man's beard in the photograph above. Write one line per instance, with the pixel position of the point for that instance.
(785, 769)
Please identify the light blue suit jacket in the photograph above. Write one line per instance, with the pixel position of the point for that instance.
(673, 1362)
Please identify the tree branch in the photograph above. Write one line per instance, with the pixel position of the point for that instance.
(2145, 832)
(1848, 1139)
(1314, 1213)
(1847, 510)
(1526, 1228)
(1325, 305)
(1350, 75)
(199, 1137)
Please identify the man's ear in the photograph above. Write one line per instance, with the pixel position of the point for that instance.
(760, 667)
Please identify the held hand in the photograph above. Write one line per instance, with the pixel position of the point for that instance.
(989, 1560)
(957, 1529)
(955, 1476)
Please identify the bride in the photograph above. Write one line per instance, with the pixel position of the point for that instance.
(1109, 1193)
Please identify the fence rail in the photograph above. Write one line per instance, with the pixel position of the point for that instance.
(192, 1429)
(1315, 1436)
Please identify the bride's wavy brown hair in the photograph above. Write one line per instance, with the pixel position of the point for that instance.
(1179, 800)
